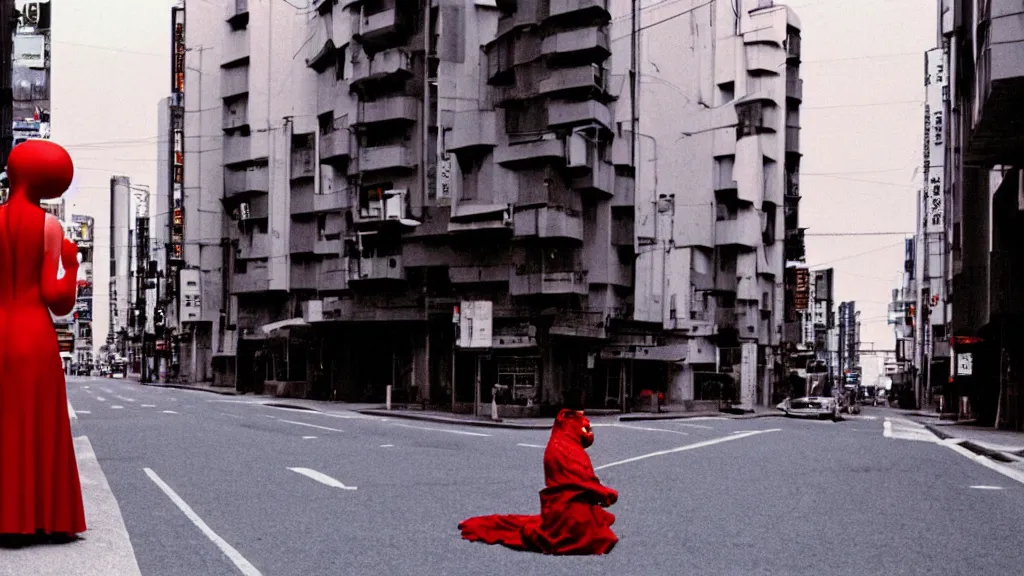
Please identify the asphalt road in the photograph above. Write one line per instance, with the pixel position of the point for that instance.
(715, 497)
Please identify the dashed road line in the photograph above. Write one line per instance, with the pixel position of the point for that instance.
(387, 445)
(234, 555)
(129, 400)
(169, 412)
(117, 407)
(982, 487)
(84, 411)
(698, 426)
(531, 445)
(322, 478)
(100, 399)
(149, 405)
(461, 432)
(309, 437)
(309, 425)
(648, 429)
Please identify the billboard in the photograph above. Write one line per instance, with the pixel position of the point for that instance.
(801, 288)
(936, 84)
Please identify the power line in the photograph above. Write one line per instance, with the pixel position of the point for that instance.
(857, 255)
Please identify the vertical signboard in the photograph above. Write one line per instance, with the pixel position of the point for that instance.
(475, 324)
(176, 251)
(936, 82)
(801, 288)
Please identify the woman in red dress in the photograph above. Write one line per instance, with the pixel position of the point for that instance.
(40, 493)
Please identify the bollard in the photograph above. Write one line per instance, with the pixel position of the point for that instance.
(388, 399)
(654, 403)
(494, 409)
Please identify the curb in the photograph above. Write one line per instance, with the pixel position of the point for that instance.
(444, 420)
(226, 392)
(1005, 457)
(686, 416)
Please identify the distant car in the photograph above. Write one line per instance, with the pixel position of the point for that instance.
(811, 407)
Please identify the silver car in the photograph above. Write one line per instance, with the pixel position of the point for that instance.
(811, 407)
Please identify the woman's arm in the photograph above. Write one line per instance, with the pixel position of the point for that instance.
(58, 294)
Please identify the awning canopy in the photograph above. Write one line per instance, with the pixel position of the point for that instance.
(276, 326)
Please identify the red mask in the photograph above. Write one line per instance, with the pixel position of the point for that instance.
(574, 424)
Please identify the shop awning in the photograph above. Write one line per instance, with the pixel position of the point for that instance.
(277, 326)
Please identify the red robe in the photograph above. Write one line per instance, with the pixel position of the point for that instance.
(572, 519)
(39, 485)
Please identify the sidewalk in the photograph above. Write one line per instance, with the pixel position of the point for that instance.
(103, 550)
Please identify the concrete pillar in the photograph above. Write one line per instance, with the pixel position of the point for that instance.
(680, 383)
(748, 375)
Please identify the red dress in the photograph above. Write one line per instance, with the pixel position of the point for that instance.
(572, 519)
(39, 485)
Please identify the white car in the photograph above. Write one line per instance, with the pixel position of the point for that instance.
(811, 407)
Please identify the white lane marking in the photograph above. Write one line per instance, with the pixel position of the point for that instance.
(232, 402)
(647, 429)
(1010, 473)
(901, 429)
(71, 412)
(387, 445)
(531, 445)
(310, 425)
(101, 399)
(169, 412)
(982, 487)
(85, 412)
(309, 437)
(129, 400)
(702, 444)
(464, 433)
(117, 407)
(322, 478)
(85, 387)
(149, 405)
(239, 561)
(694, 426)
(107, 390)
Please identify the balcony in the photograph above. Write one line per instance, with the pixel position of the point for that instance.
(235, 114)
(332, 202)
(254, 208)
(563, 114)
(335, 145)
(573, 11)
(996, 126)
(379, 206)
(394, 110)
(527, 13)
(254, 247)
(549, 283)
(743, 231)
(235, 49)
(303, 165)
(550, 222)
(478, 274)
(794, 87)
(390, 65)
(237, 14)
(255, 280)
(467, 217)
(581, 46)
(302, 237)
(234, 82)
(473, 129)
(796, 249)
(793, 140)
(600, 179)
(379, 30)
(325, 247)
(574, 83)
(376, 268)
(253, 180)
(320, 52)
(301, 199)
(394, 157)
(527, 153)
(238, 149)
(579, 324)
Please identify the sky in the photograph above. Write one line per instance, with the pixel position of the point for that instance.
(862, 119)
(110, 65)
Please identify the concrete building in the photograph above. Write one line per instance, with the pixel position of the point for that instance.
(977, 209)
(81, 231)
(385, 162)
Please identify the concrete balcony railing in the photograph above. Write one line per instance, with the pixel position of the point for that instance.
(474, 129)
(234, 81)
(584, 45)
(251, 180)
(794, 88)
(394, 157)
(320, 50)
(550, 222)
(378, 30)
(304, 275)
(514, 155)
(579, 10)
(237, 13)
(792, 140)
(744, 231)
(254, 247)
(394, 63)
(579, 324)
(335, 145)
(376, 268)
(256, 279)
(600, 179)
(255, 207)
(324, 247)
(549, 283)
(303, 164)
(235, 48)
(332, 202)
(244, 148)
(397, 109)
(587, 78)
(562, 114)
(333, 275)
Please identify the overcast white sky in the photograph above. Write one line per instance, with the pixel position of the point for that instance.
(862, 126)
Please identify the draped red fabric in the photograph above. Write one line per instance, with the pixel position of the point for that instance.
(40, 490)
(572, 519)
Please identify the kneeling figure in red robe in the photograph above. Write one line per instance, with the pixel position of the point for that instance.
(572, 519)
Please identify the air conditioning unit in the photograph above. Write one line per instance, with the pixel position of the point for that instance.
(394, 204)
(244, 211)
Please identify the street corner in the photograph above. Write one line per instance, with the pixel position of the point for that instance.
(439, 418)
(104, 549)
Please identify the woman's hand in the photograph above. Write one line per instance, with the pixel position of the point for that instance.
(69, 255)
